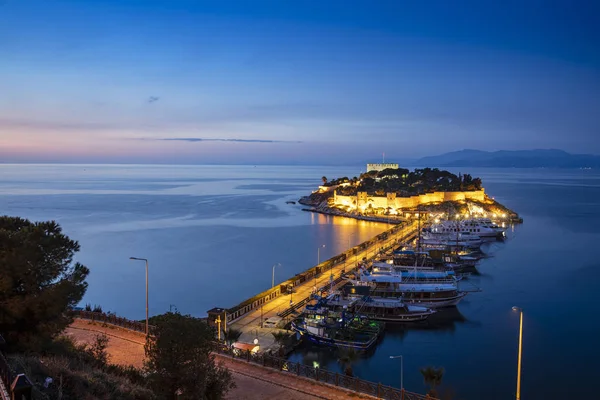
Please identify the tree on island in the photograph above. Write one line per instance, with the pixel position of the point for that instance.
(180, 362)
(38, 281)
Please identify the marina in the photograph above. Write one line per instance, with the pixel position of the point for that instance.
(377, 280)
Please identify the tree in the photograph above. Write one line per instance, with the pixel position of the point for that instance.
(347, 357)
(179, 359)
(39, 282)
(232, 336)
(281, 338)
(432, 377)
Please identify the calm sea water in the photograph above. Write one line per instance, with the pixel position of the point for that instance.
(212, 234)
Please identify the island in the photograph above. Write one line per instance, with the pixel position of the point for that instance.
(388, 193)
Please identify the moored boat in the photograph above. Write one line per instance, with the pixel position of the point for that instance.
(323, 326)
(431, 295)
(358, 300)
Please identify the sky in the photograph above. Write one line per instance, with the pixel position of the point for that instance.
(302, 81)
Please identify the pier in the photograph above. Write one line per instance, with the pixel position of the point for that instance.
(284, 299)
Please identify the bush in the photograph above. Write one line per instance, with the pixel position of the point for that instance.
(78, 375)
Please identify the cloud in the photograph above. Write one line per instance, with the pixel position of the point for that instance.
(192, 139)
(15, 123)
(152, 99)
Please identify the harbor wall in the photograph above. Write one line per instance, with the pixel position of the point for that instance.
(363, 200)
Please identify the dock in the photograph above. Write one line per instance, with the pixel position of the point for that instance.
(287, 298)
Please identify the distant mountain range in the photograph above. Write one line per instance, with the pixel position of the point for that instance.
(549, 158)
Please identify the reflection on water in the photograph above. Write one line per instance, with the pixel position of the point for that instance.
(444, 320)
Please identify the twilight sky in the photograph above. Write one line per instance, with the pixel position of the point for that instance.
(324, 81)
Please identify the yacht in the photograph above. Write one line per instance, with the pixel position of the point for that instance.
(462, 239)
(482, 227)
(391, 285)
(357, 299)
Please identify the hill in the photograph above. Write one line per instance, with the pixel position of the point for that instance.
(540, 158)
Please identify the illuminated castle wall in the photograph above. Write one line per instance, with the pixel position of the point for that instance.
(362, 200)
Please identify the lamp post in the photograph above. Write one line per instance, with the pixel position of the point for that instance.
(318, 261)
(144, 259)
(319, 253)
(401, 370)
(218, 321)
(520, 310)
(273, 276)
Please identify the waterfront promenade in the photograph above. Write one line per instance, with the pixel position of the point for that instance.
(284, 305)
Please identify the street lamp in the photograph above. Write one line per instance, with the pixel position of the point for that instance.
(273, 277)
(401, 370)
(144, 259)
(319, 253)
(318, 261)
(520, 311)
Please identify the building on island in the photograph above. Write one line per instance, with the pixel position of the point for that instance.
(381, 166)
(392, 204)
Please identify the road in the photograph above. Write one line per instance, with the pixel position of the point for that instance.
(253, 382)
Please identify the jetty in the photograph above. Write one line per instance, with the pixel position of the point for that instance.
(258, 317)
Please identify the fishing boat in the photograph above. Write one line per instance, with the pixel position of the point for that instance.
(323, 326)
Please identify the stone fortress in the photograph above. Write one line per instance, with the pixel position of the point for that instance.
(363, 201)
(381, 166)
(390, 202)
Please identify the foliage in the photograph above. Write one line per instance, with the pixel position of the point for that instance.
(76, 374)
(180, 360)
(282, 339)
(432, 377)
(98, 350)
(232, 335)
(408, 183)
(347, 357)
(39, 281)
(97, 308)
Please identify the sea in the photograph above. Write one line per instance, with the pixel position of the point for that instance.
(212, 235)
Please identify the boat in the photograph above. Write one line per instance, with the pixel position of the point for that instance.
(482, 227)
(357, 299)
(434, 259)
(411, 274)
(391, 285)
(323, 326)
(458, 239)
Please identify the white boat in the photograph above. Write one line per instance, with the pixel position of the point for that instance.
(390, 310)
(391, 285)
(412, 274)
(457, 239)
(482, 227)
